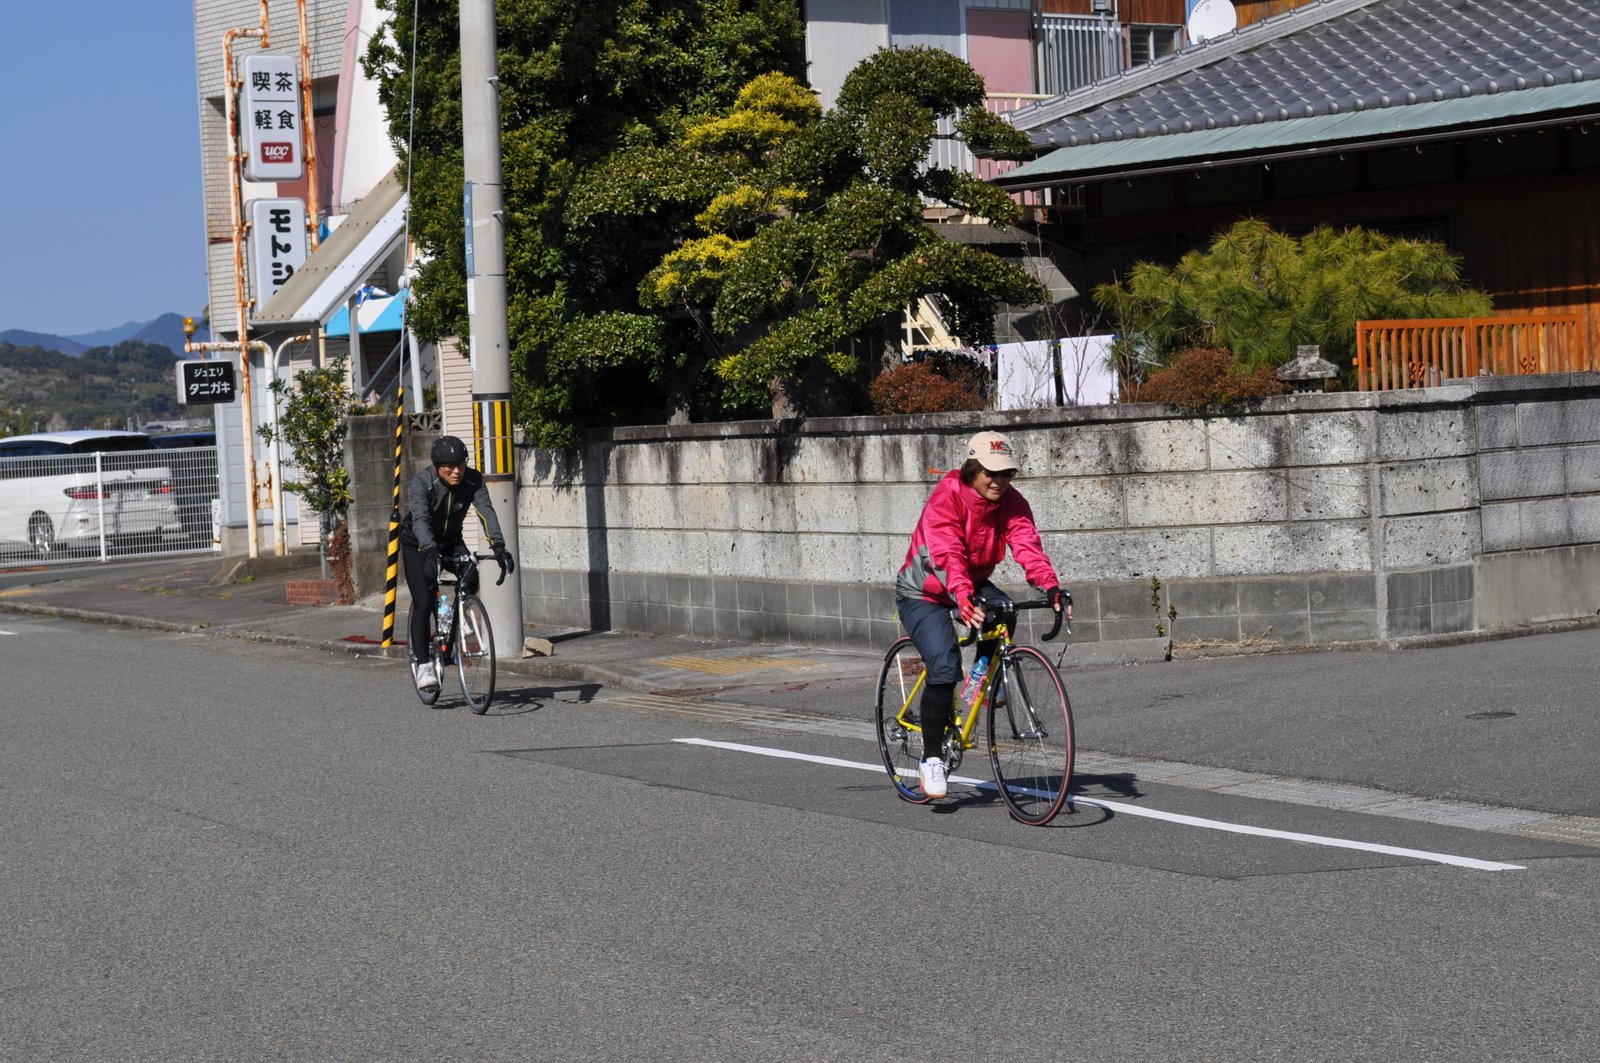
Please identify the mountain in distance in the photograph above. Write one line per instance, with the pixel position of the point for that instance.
(107, 337)
(23, 338)
(165, 331)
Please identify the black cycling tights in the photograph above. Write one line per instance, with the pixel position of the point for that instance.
(937, 708)
(421, 589)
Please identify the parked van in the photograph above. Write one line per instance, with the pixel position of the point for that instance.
(60, 490)
(192, 457)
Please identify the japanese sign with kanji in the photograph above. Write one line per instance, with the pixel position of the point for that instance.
(278, 244)
(206, 382)
(269, 119)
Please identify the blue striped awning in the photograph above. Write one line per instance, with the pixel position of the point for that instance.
(381, 313)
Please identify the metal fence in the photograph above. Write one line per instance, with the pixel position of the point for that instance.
(73, 508)
(1076, 50)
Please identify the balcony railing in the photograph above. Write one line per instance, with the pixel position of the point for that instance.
(1075, 50)
(1425, 353)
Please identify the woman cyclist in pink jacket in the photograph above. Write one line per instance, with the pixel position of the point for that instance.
(971, 518)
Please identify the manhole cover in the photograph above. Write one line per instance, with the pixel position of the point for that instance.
(1497, 714)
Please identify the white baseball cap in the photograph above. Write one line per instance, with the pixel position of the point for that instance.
(993, 451)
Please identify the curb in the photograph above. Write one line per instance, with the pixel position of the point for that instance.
(1117, 652)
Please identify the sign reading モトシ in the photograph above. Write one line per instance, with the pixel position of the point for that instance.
(269, 119)
(278, 244)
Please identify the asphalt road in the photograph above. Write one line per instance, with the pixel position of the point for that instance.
(215, 849)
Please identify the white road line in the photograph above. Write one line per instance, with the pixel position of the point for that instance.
(1148, 813)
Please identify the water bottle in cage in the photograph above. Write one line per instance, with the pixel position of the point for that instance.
(969, 693)
(445, 612)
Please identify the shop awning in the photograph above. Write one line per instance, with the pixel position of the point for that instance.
(342, 263)
(380, 313)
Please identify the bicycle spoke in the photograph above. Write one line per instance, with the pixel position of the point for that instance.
(475, 653)
(1030, 737)
(899, 738)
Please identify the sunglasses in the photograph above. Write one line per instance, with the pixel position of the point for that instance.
(1003, 474)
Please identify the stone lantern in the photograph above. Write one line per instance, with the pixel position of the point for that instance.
(1307, 370)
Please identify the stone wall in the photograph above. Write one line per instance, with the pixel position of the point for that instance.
(369, 458)
(1311, 519)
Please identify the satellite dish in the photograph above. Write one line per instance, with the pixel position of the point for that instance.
(1211, 18)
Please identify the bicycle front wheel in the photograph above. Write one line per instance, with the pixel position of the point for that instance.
(427, 697)
(899, 736)
(1030, 736)
(475, 653)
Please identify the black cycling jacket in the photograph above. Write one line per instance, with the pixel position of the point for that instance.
(437, 511)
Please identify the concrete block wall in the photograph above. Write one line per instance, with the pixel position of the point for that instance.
(1539, 454)
(1311, 519)
(369, 458)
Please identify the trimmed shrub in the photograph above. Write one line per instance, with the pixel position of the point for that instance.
(921, 387)
(1201, 377)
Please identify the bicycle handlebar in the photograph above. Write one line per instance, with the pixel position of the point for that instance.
(468, 557)
(1036, 603)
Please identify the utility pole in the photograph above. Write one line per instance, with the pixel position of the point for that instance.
(486, 304)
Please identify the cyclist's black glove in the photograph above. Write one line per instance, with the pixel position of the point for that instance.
(430, 564)
(1059, 598)
(504, 560)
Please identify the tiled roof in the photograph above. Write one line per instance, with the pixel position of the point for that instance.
(1321, 134)
(1333, 57)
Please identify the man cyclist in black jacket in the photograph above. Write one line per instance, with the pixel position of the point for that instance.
(430, 530)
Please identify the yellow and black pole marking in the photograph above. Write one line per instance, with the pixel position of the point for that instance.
(392, 580)
(491, 429)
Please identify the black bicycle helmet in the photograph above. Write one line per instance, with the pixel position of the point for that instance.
(448, 450)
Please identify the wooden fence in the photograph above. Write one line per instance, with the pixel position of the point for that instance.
(1425, 353)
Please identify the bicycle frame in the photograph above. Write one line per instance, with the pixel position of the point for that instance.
(1029, 729)
(461, 583)
(962, 728)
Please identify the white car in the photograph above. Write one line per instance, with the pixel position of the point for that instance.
(61, 489)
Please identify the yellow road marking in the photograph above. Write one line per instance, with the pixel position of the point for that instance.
(734, 665)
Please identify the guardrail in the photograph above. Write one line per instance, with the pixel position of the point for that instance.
(1392, 355)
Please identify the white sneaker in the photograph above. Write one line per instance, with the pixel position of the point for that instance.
(423, 674)
(931, 774)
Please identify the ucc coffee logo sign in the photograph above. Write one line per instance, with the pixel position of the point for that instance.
(270, 131)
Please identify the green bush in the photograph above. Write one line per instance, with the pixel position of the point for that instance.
(1260, 293)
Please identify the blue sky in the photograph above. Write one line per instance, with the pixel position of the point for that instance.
(101, 218)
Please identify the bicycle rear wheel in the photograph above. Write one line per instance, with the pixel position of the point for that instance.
(1030, 736)
(427, 697)
(899, 739)
(475, 653)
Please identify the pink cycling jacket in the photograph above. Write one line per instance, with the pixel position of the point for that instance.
(962, 536)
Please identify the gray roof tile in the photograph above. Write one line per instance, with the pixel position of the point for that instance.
(1331, 57)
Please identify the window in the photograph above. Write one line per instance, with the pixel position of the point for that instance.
(1146, 44)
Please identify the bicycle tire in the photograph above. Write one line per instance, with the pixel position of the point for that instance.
(475, 653)
(1030, 736)
(427, 697)
(900, 748)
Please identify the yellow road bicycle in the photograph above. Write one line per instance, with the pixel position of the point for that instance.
(1030, 718)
